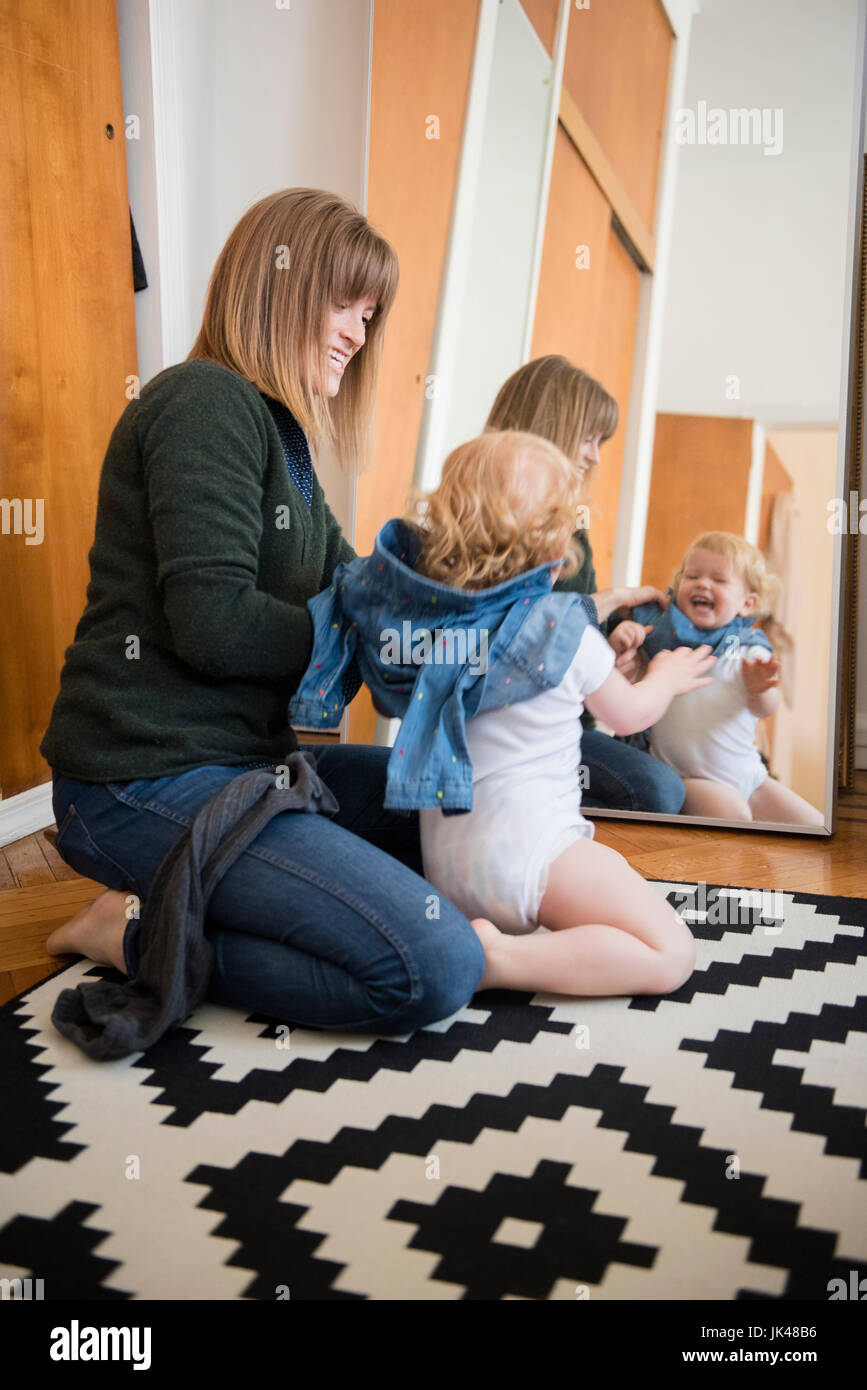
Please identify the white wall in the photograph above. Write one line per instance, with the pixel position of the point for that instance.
(236, 100)
(756, 281)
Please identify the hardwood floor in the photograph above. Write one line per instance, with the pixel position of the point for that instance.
(38, 891)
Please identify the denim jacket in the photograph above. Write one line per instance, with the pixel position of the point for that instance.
(434, 656)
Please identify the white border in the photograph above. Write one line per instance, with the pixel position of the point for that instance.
(753, 513)
(171, 197)
(444, 346)
(559, 60)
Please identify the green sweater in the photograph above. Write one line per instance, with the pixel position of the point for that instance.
(584, 579)
(195, 632)
(582, 582)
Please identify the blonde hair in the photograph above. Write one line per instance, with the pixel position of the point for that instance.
(292, 256)
(748, 563)
(483, 524)
(550, 397)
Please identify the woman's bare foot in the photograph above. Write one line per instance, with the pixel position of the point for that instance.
(96, 932)
(492, 940)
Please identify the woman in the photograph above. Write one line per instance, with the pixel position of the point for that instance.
(549, 396)
(212, 532)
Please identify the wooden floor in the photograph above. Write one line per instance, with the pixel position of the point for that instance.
(38, 891)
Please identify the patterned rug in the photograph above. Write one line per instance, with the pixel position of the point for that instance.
(705, 1145)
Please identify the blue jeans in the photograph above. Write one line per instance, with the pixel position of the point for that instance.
(623, 778)
(324, 921)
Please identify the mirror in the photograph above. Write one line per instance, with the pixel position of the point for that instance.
(666, 194)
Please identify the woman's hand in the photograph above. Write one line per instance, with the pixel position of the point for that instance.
(610, 601)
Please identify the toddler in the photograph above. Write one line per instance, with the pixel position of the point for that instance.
(524, 856)
(708, 735)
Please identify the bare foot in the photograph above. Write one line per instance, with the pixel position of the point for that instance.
(492, 940)
(96, 932)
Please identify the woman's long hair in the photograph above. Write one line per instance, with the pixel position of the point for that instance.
(290, 259)
(549, 396)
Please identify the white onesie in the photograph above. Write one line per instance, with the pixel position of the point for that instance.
(493, 861)
(710, 733)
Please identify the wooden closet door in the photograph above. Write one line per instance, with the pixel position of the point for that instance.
(605, 172)
(699, 482)
(67, 336)
(587, 310)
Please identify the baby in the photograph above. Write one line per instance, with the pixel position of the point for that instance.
(524, 856)
(708, 735)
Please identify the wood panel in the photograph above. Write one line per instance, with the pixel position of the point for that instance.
(422, 62)
(775, 478)
(589, 315)
(569, 306)
(701, 469)
(616, 71)
(543, 16)
(67, 335)
(615, 353)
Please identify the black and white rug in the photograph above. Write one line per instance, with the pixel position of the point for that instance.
(706, 1145)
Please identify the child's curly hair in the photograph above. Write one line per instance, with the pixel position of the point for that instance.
(507, 501)
(748, 563)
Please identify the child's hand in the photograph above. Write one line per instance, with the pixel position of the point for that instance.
(628, 635)
(759, 675)
(684, 668)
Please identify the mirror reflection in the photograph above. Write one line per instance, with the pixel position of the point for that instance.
(683, 316)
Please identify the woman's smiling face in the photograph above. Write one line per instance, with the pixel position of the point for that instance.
(710, 593)
(345, 332)
(588, 454)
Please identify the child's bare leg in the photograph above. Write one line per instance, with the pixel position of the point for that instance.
(96, 932)
(611, 932)
(773, 801)
(706, 798)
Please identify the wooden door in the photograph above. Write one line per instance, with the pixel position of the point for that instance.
(601, 213)
(67, 338)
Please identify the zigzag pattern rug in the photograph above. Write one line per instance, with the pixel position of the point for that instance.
(705, 1145)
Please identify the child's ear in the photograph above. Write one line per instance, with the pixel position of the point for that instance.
(749, 605)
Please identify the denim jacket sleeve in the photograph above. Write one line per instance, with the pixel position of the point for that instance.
(332, 677)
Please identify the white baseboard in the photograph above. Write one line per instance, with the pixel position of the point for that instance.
(25, 814)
